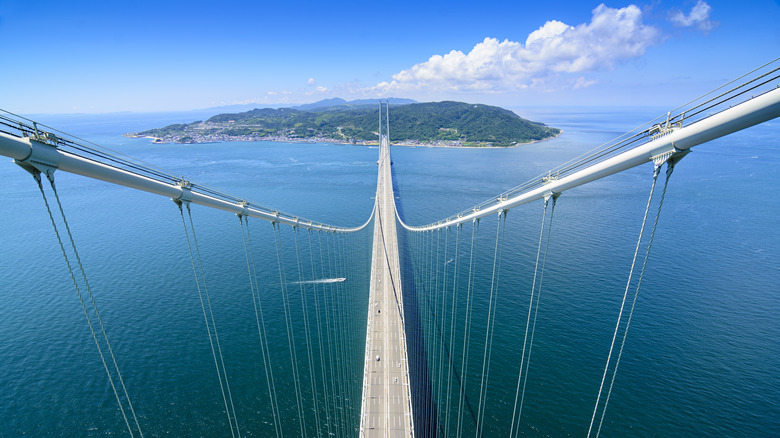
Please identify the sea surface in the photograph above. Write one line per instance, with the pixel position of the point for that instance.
(701, 357)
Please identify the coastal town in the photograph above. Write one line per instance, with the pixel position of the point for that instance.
(196, 136)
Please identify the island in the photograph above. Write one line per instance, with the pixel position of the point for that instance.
(424, 124)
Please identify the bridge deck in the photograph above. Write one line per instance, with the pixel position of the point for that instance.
(386, 408)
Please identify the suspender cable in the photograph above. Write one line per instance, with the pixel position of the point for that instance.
(430, 342)
(330, 322)
(656, 172)
(440, 373)
(290, 334)
(260, 321)
(341, 332)
(351, 329)
(523, 362)
(37, 175)
(321, 345)
(346, 299)
(490, 321)
(360, 296)
(454, 308)
(536, 308)
(208, 320)
(436, 325)
(421, 323)
(493, 318)
(305, 312)
(669, 169)
(418, 342)
(339, 320)
(467, 331)
(350, 299)
(338, 334)
(327, 290)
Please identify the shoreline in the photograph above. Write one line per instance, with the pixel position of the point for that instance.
(158, 140)
(429, 145)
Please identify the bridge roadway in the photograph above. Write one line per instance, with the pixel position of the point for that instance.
(386, 405)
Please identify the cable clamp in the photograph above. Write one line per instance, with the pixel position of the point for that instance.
(549, 178)
(44, 136)
(672, 157)
(244, 204)
(660, 159)
(186, 192)
(666, 127)
(44, 158)
(551, 195)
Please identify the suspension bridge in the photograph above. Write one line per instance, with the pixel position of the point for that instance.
(407, 366)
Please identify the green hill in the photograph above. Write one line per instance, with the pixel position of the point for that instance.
(445, 123)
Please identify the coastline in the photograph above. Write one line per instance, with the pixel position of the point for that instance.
(158, 140)
(431, 145)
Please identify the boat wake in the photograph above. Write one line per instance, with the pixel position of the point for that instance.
(321, 281)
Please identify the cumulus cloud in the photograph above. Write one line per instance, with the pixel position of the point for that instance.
(698, 17)
(613, 35)
(311, 81)
(319, 89)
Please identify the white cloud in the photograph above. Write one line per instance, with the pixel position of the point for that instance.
(581, 82)
(319, 89)
(698, 17)
(613, 35)
(311, 81)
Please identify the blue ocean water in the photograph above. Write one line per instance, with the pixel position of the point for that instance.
(701, 357)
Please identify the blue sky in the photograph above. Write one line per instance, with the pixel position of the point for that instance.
(85, 56)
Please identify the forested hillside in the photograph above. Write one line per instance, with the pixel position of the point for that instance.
(446, 123)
